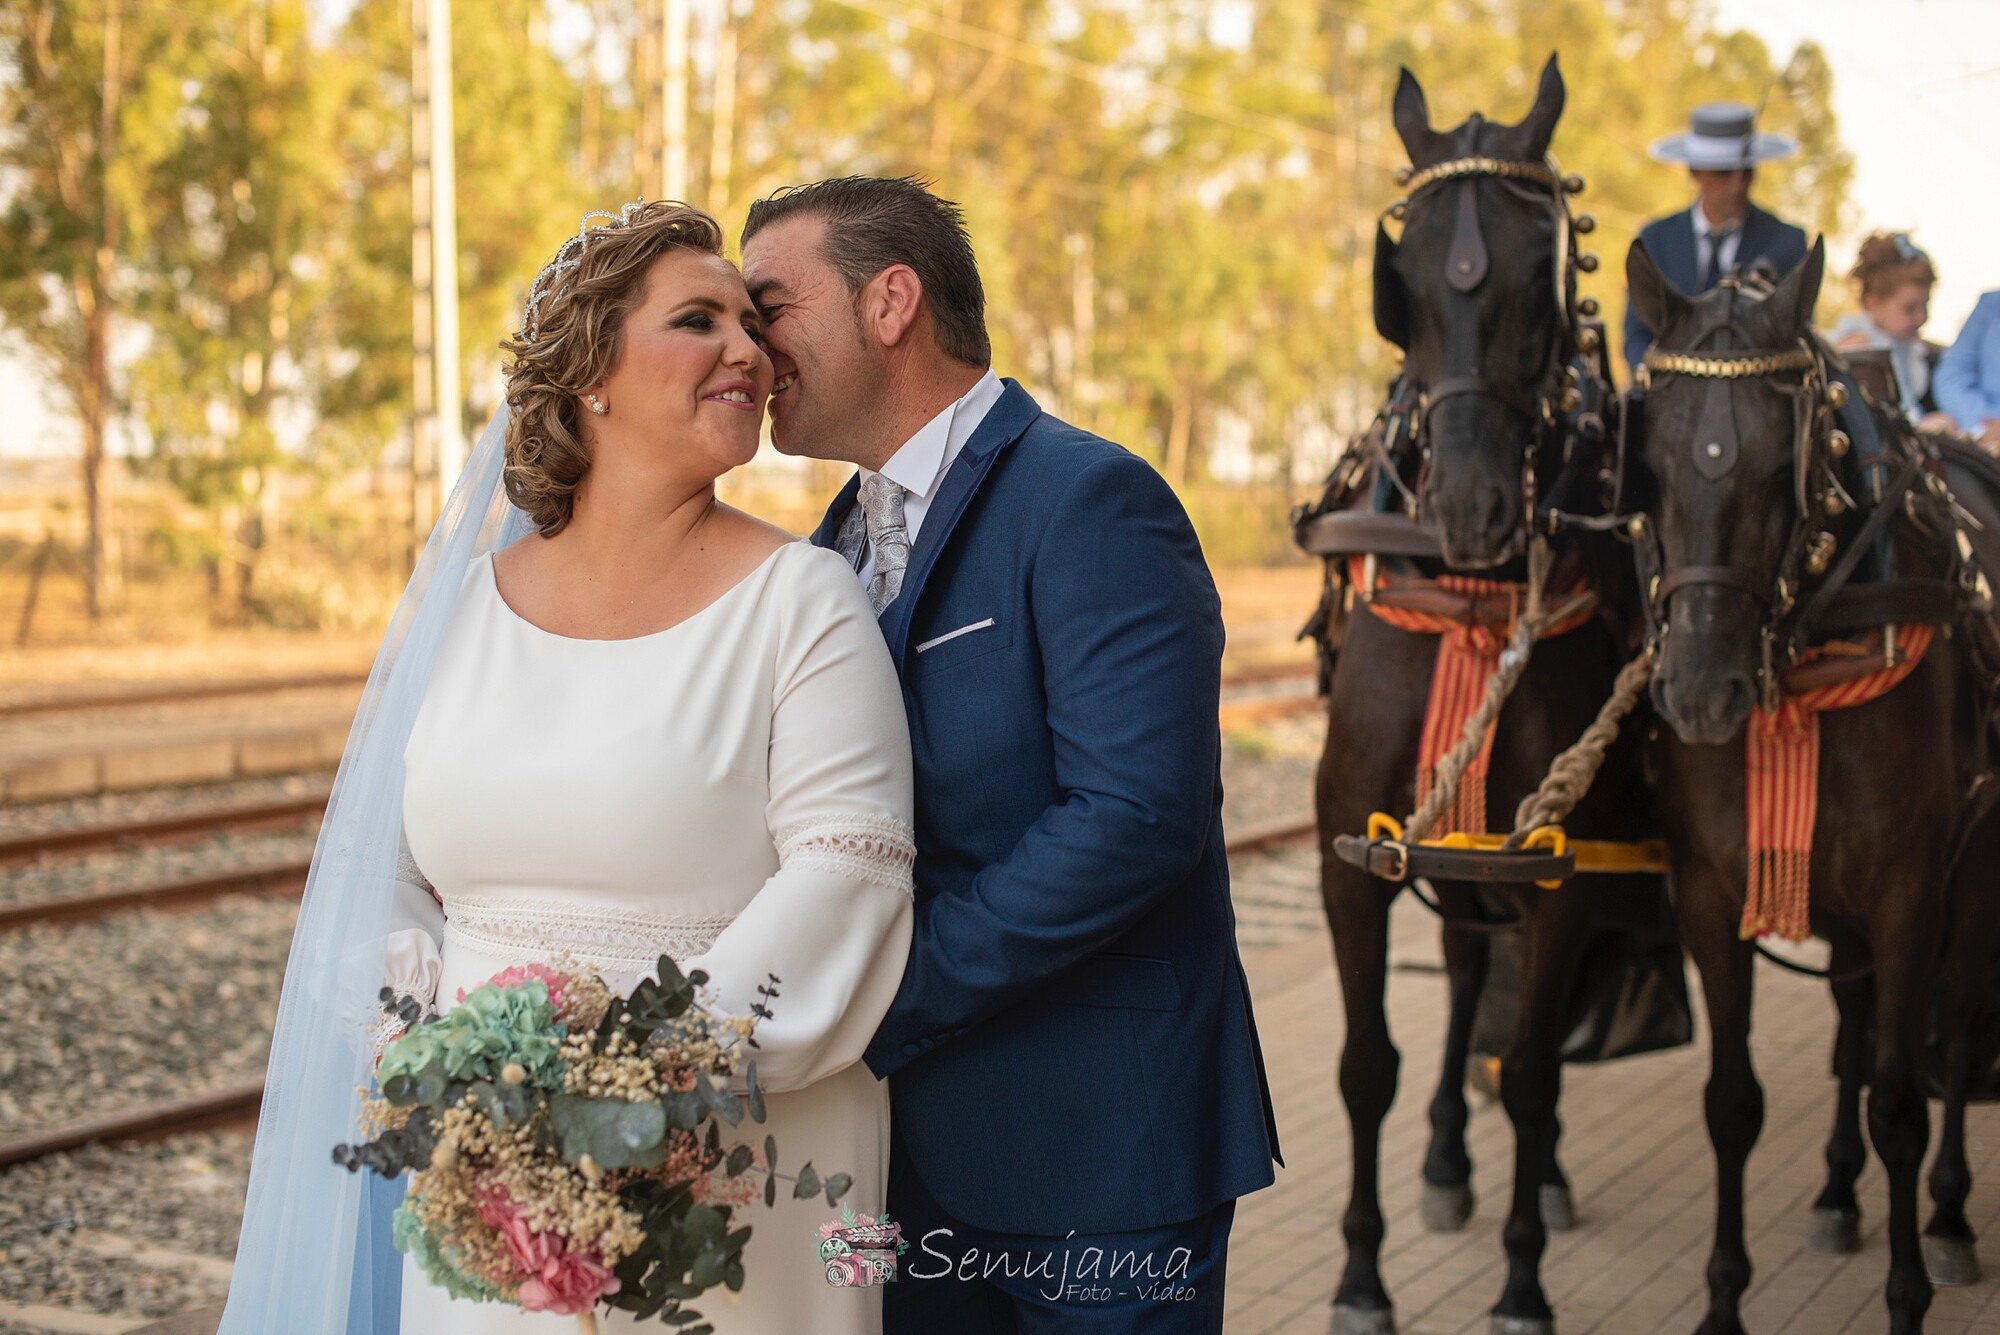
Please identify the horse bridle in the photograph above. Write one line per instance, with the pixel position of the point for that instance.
(1817, 446)
(1556, 390)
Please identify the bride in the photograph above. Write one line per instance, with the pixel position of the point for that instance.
(612, 719)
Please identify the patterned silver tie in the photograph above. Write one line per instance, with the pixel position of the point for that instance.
(881, 503)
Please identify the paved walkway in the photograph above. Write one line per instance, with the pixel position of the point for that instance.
(1634, 1146)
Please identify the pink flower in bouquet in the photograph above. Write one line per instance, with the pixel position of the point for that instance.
(527, 973)
(554, 1278)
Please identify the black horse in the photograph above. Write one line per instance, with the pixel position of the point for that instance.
(1774, 536)
(1504, 405)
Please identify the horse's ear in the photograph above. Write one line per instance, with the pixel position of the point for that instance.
(1791, 302)
(1538, 127)
(1392, 301)
(1412, 115)
(1658, 302)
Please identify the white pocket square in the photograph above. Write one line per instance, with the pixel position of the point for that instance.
(954, 634)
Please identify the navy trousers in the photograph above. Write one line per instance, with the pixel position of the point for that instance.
(966, 1280)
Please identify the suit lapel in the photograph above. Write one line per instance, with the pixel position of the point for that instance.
(827, 535)
(1756, 243)
(1686, 254)
(1004, 424)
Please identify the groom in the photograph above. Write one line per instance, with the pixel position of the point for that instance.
(1078, 1093)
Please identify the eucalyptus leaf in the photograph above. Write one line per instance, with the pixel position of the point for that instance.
(508, 1105)
(808, 1184)
(755, 1098)
(705, 1226)
(684, 1111)
(740, 1159)
(707, 1270)
(720, 1101)
(614, 1132)
(670, 973)
(770, 1191)
(836, 1187)
(771, 1153)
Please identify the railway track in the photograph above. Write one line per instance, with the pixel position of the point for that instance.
(19, 848)
(282, 811)
(237, 1105)
(287, 876)
(175, 693)
(221, 690)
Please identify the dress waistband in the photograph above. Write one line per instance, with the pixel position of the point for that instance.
(607, 936)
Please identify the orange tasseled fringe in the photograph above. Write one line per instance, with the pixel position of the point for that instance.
(1781, 792)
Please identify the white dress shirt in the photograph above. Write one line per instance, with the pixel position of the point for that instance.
(920, 465)
(1705, 244)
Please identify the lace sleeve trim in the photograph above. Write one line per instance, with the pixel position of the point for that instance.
(877, 849)
(409, 873)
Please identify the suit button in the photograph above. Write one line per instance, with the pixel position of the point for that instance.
(911, 1049)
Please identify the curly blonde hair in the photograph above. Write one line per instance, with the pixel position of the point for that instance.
(571, 340)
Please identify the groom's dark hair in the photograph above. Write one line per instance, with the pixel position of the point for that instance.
(873, 222)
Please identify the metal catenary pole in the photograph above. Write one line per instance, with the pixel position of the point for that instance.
(423, 501)
(450, 401)
(674, 91)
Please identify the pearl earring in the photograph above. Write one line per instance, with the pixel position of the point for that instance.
(596, 404)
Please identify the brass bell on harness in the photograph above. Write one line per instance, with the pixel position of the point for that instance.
(1837, 443)
(1585, 223)
(1832, 503)
(1404, 173)
(1836, 394)
(1398, 209)
(1587, 262)
(1587, 339)
(1588, 306)
(1571, 400)
(1573, 184)
(1819, 552)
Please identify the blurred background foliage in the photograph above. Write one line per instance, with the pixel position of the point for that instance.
(205, 217)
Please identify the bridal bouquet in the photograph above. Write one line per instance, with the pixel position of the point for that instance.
(564, 1145)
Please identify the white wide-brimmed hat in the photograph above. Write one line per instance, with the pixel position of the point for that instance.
(1723, 137)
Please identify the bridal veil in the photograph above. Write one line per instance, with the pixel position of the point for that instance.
(315, 1257)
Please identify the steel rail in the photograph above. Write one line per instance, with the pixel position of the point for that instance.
(1272, 834)
(24, 847)
(217, 690)
(235, 1105)
(155, 695)
(287, 876)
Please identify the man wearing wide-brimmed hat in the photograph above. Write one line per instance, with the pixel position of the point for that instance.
(1722, 232)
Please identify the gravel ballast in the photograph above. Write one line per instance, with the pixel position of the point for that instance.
(100, 809)
(62, 877)
(139, 1230)
(137, 1009)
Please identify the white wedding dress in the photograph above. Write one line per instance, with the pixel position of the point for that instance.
(733, 791)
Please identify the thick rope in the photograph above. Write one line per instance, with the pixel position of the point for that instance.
(1572, 772)
(1528, 627)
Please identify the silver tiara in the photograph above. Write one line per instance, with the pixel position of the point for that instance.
(567, 259)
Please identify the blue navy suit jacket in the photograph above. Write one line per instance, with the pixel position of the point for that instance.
(1966, 383)
(1671, 243)
(1072, 1046)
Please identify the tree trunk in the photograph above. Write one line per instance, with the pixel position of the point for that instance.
(97, 329)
